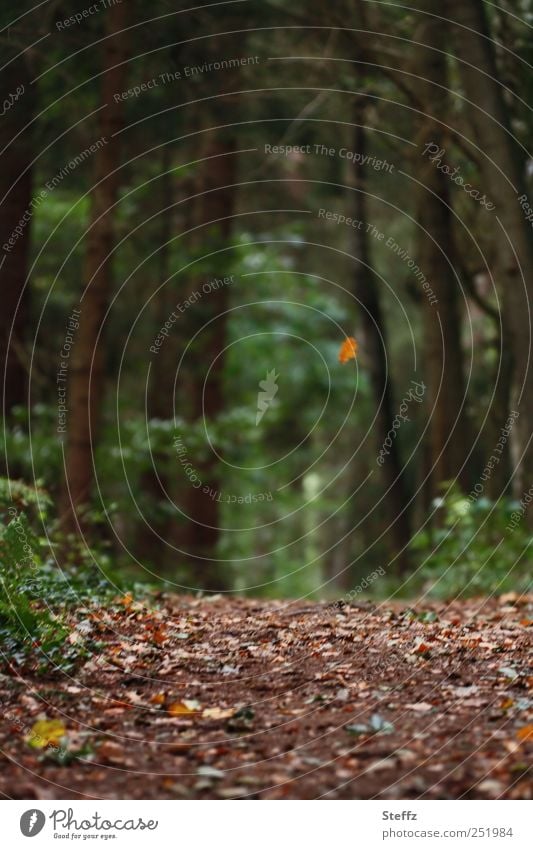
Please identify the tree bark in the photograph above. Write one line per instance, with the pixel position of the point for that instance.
(216, 206)
(502, 172)
(155, 482)
(86, 372)
(366, 289)
(443, 352)
(15, 211)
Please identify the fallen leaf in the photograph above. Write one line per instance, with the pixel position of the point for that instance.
(217, 713)
(184, 708)
(525, 734)
(112, 753)
(420, 707)
(509, 672)
(45, 732)
(209, 772)
(160, 636)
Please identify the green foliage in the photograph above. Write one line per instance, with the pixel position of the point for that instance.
(35, 593)
(472, 550)
(24, 623)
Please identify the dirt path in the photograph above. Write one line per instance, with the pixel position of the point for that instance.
(220, 698)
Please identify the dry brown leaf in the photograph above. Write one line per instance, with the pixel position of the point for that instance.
(525, 734)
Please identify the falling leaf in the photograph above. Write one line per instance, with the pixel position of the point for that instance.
(45, 732)
(126, 600)
(348, 350)
(157, 699)
(525, 734)
(184, 708)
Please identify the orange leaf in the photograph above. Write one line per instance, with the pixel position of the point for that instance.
(185, 708)
(525, 734)
(348, 350)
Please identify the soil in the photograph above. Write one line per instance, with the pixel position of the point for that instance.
(233, 698)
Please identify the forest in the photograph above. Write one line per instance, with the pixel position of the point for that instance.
(266, 484)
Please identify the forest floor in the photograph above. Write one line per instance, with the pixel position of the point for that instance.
(232, 698)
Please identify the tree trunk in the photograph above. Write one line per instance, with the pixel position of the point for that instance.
(86, 372)
(155, 482)
(443, 353)
(15, 212)
(502, 173)
(366, 289)
(202, 509)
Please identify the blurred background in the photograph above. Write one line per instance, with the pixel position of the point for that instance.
(199, 207)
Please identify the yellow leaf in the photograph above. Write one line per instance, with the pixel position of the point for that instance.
(45, 732)
(184, 708)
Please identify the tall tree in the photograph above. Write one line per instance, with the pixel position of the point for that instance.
(443, 352)
(502, 168)
(16, 155)
(205, 395)
(86, 376)
(366, 286)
